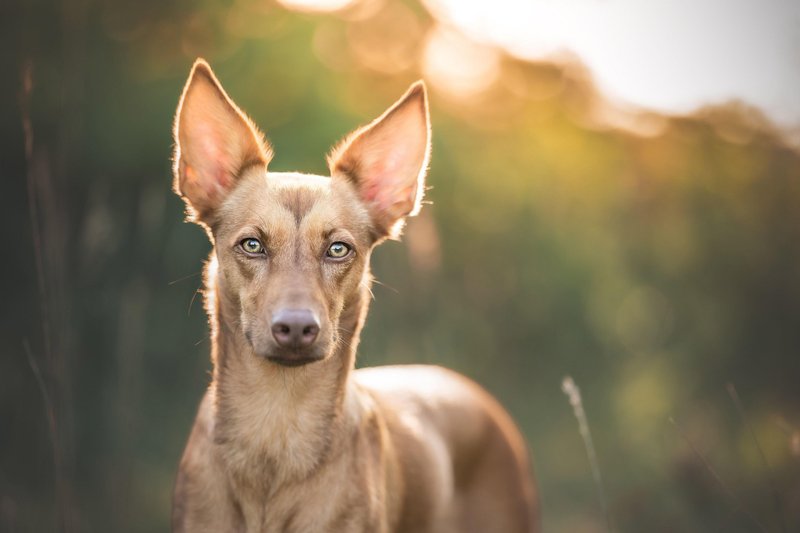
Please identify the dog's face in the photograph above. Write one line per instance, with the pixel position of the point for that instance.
(290, 249)
(293, 249)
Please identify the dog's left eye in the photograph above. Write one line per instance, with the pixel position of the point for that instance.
(338, 250)
(252, 246)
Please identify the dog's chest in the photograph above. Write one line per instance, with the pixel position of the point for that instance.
(268, 435)
(270, 447)
(331, 499)
(288, 474)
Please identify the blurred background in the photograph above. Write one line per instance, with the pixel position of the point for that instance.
(615, 191)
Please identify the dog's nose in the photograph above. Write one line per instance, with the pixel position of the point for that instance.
(295, 328)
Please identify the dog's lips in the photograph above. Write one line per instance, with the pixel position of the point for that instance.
(293, 362)
(292, 357)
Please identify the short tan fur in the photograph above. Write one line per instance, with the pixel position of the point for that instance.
(289, 437)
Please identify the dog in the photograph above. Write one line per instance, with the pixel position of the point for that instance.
(289, 436)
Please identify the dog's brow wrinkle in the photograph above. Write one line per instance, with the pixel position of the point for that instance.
(299, 202)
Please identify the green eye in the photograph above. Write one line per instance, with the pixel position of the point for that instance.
(252, 246)
(338, 250)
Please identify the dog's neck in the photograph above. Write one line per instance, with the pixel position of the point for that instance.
(278, 424)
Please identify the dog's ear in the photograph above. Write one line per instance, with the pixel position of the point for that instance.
(214, 143)
(387, 161)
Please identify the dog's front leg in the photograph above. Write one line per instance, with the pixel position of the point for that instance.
(202, 500)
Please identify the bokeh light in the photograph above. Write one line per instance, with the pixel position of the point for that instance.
(317, 5)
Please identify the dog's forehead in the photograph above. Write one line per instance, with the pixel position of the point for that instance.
(295, 198)
(295, 180)
(299, 193)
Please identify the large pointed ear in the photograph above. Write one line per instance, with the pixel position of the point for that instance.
(214, 143)
(387, 161)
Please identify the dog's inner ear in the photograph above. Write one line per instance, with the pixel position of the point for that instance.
(387, 161)
(215, 142)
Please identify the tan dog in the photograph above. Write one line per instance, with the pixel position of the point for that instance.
(289, 437)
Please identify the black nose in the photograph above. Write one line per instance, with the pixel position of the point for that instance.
(295, 328)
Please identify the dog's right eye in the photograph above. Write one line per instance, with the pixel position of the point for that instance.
(252, 246)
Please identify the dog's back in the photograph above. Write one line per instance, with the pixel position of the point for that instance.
(466, 466)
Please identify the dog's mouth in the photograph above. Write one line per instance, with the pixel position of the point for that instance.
(290, 357)
(293, 361)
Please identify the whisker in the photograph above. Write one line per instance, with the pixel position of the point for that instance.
(173, 282)
(382, 284)
(202, 340)
(191, 302)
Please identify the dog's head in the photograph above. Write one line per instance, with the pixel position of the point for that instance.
(293, 249)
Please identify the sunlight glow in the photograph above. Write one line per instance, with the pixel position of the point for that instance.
(316, 5)
(666, 55)
(458, 66)
(388, 41)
